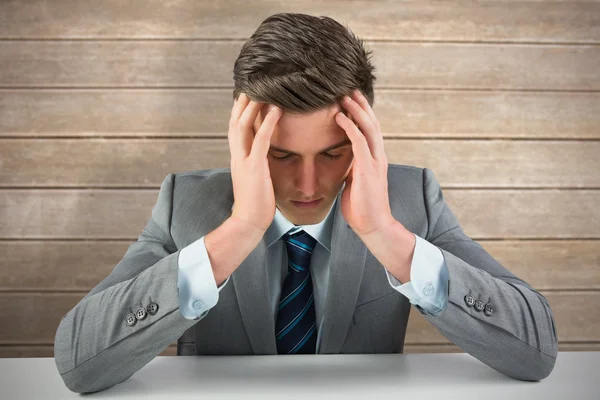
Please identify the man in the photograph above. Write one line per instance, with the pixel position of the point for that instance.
(309, 243)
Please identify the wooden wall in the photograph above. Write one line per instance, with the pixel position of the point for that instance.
(99, 101)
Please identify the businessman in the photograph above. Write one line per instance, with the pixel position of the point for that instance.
(311, 243)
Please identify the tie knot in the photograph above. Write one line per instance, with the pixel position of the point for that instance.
(300, 240)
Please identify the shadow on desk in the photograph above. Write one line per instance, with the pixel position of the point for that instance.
(213, 374)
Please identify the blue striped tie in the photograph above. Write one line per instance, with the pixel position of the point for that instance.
(295, 329)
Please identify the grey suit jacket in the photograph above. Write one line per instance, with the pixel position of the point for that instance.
(95, 348)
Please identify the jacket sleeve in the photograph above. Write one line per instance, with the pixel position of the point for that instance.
(129, 317)
(491, 314)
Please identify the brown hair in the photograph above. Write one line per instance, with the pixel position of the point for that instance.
(302, 63)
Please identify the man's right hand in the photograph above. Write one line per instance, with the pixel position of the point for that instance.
(254, 198)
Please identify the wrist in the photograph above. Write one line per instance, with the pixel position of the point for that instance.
(240, 227)
(229, 244)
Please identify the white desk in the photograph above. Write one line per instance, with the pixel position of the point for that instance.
(576, 375)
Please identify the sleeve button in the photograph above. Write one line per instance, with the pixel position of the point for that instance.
(470, 300)
(428, 290)
(197, 304)
(479, 305)
(152, 308)
(140, 313)
(130, 319)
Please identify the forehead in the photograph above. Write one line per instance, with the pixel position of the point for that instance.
(308, 133)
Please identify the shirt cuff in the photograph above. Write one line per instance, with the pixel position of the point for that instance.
(429, 279)
(198, 291)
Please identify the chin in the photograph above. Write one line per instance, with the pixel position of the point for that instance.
(310, 218)
(297, 218)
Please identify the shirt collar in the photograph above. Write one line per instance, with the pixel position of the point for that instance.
(320, 231)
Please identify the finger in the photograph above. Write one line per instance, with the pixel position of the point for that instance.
(262, 141)
(365, 125)
(238, 107)
(364, 104)
(235, 139)
(262, 113)
(245, 132)
(360, 147)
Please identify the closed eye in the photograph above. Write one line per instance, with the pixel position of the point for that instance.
(281, 158)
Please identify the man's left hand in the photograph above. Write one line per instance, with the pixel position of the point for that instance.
(365, 202)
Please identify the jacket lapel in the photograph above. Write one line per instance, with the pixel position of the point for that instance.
(252, 291)
(347, 263)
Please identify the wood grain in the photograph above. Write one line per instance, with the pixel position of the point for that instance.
(210, 64)
(99, 101)
(529, 21)
(122, 214)
(145, 162)
(206, 112)
(32, 318)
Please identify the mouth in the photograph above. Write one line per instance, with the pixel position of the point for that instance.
(307, 204)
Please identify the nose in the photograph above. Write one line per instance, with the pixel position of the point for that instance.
(307, 179)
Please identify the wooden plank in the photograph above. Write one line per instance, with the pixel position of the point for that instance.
(206, 112)
(48, 265)
(527, 214)
(75, 214)
(42, 265)
(493, 66)
(550, 264)
(122, 214)
(29, 351)
(565, 21)
(108, 163)
(405, 65)
(135, 163)
(32, 318)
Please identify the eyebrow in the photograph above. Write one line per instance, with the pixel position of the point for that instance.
(335, 146)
